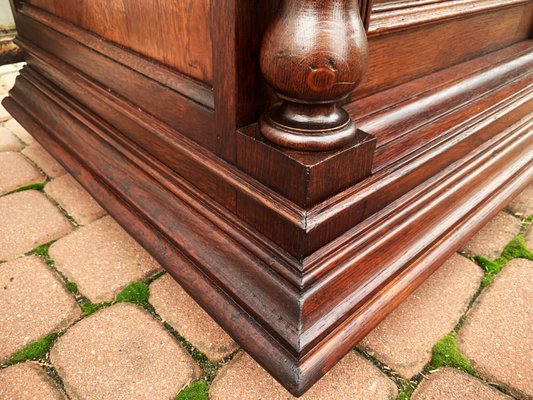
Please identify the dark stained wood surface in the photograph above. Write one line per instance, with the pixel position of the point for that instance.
(313, 55)
(398, 56)
(297, 254)
(175, 33)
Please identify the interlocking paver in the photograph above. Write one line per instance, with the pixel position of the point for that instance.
(29, 219)
(352, 378)
(16, 172)
(490, 241)
(74, 199)
(33, 304)
(8, 141)
(44, 160)
(102, 258)
(121, 352)
(405, 339)
(177, 308)
(498, 335)
(19, 131)
(523, 203)
(4, 115)
(28, 381)
(8, 81)
(451, 384)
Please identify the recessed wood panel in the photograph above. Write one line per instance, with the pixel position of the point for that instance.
(399, 56)
(173, 32)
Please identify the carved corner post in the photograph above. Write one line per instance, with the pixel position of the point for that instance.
(313, 55)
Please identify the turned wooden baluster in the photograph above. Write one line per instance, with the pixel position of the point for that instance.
(313, 55)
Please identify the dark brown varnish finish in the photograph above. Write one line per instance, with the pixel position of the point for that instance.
(313, 55)
(298, 166)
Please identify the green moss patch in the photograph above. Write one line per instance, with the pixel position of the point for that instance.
(35, 350)
(199, 390)
(72, 287)
(404, 395)
(447, 353)
(492, 268)
(89, 308)
(136, 293)
(516, 248)
(42, 251)
(33, 186)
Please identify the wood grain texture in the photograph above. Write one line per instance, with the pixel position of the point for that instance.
(311, 170)
(296, 254)
(165, 75)
(400, 15)
(157, 100)
(313, 55)
(305, 330)
(398, 56)
(365, 8)
(175, 33)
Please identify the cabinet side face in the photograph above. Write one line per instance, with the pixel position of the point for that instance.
(174, 33)
(409, 39)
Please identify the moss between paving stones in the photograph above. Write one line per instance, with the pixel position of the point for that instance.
(42, 251)
(404, 395)
(446, 353)
(199, 390)
(515, 249)
(89, 308)
(35, 350)
(34, 186)
(72, 287)
(136, 293)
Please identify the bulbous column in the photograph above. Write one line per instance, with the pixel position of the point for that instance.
(313, 55)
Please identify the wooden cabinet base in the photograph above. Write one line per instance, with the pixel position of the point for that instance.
(296, 272)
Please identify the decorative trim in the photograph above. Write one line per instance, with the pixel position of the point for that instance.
(365, 7)
(183, 84)
(402, 15)
(296, 334)
(313, 228)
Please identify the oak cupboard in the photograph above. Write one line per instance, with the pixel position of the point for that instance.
(298, 166)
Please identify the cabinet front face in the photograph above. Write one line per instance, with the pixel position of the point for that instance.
(173, 32)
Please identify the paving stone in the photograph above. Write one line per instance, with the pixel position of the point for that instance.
(29, 220)
(121, 352)
(8, 141)
(498, 335)
(28, 381)
(4, 115)
(44, 160)
(16, 172)
(452, 384)
(8, 81)
(19, 131)
(352, 378)
(405, 339)
(523, 203)
(490, 241)
(8, 68)
(102, 259)
(70, 195)
(177, 308)
(33, 304)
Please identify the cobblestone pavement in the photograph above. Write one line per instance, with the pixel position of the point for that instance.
(86, 313)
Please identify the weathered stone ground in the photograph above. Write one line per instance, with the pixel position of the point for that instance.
(86, 313)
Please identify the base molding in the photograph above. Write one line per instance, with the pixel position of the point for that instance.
(297, 318)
